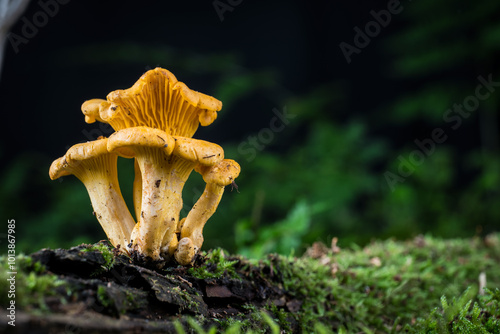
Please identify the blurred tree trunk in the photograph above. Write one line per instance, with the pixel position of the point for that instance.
(10, 11)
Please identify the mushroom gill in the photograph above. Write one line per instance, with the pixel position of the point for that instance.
(157, 100)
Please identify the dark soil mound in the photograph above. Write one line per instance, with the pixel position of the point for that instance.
(100, 291)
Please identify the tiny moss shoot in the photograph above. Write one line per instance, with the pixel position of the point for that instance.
(105, 250)
(215, 266)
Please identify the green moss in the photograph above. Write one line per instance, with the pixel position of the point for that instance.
(32, 284)
(118, 300)
(387, 284)
(261, 322)
(186, 297)
(102, 296)
(387, 287)
(215, 266)
(281, 317)
(106, 251)
(469, 313)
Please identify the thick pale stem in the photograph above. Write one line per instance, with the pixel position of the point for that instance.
(200, 213)
(216, 177)
(137, 190)
(161, 202)
(110, 209)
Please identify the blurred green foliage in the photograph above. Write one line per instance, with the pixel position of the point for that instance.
(323, 175)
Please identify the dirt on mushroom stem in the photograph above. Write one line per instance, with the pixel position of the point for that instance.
(163, 181)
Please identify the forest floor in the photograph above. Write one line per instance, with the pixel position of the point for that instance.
(422, 285)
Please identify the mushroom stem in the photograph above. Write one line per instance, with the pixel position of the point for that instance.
(216, 177)
(201, 212)
(137, 190)
(96, 169)
(109, 207)
(186, 252)
(161, 203)
(162, 177)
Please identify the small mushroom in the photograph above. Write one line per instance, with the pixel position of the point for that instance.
(92, 164)
(185, 252)
(216, 178)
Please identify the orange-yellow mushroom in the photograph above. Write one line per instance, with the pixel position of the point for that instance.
(92, 164)
(216, 178)
(155, 120)
(158, 101)
(185, 252)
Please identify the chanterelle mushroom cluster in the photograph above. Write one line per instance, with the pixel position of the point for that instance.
(154, 121)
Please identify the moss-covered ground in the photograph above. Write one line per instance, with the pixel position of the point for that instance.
(425, 285)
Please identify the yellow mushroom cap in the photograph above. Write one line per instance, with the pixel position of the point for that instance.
(124, 141)
(222, 174)
(76, 155)
(92, 108)
(157, 100)
(81, 152)
(199, 151)
(92, 164)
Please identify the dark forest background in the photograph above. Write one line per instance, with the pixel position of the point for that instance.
(397, 139)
